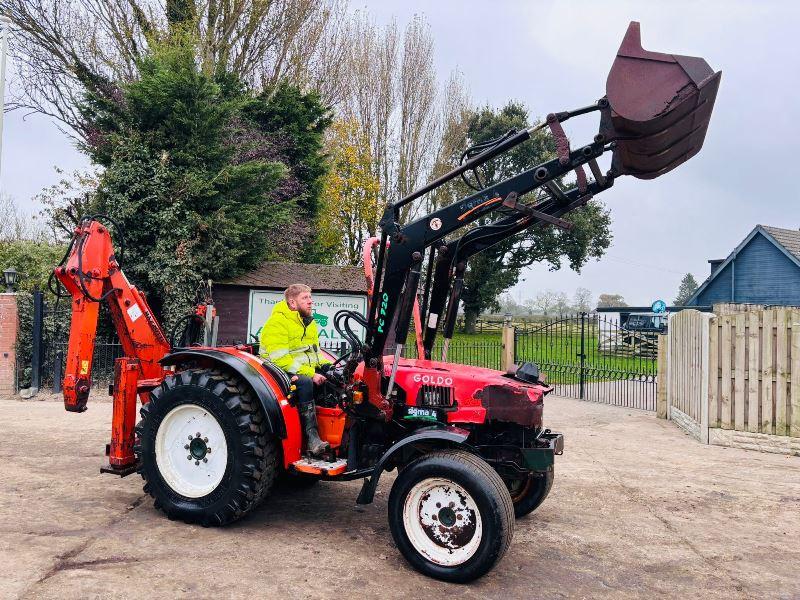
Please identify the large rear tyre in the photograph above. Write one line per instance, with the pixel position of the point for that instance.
(528, 493)
(451, 515)
(203, 448)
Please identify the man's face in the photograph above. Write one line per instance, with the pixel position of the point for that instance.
(302, 304)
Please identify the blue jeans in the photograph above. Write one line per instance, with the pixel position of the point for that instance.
(304, 394)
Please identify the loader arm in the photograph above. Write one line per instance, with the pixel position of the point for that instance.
(409, 242)
(653, 118)
(452, 257)
(91, 274)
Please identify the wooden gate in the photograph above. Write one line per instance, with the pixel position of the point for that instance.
(687, 371)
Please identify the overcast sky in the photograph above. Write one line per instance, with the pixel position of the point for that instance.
(556, 56)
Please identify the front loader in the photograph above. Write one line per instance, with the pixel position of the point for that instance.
(218, 426)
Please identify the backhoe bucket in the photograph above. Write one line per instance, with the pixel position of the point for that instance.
(659, 108)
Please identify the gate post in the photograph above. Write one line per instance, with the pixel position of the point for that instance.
(508, 345)
(58, 372)
(661, 377)
(583, 355)
(37, 346)
(9, 327)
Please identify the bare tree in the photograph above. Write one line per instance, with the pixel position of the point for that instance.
(610, 301)
(63, 47)
(453, 125)
(64, 203)
(561, 303)
(14, 224)
(411, 125)
(582, 300)
(545, 301)
(418, 112)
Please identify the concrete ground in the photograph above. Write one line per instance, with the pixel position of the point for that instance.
(638, 509)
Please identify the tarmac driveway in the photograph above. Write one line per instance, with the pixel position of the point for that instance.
(638, 509)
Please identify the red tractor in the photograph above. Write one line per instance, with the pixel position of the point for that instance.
(472, 454)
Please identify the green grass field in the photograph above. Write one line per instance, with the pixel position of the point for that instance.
(557, 353)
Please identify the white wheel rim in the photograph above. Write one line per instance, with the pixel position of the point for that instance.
(442, 522)
(191, 451)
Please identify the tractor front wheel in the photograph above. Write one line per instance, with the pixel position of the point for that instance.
(451, 515)
(203, 448)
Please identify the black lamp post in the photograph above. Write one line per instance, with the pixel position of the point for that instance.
(11, 276)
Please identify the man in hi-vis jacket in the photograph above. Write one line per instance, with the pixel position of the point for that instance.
(289, 339)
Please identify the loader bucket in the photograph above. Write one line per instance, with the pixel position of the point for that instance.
(659, 106)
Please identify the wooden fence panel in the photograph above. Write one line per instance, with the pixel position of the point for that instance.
(753, 357)
(767, 371)
(754, 371)
(794, 391)
(726, 350)
(713, 374)
(782, 370)
(739, 384)
(688, 366)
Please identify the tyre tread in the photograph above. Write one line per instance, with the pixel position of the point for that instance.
(469, 463)
(259, 466)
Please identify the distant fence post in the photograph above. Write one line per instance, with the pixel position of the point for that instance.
(661, 377)
(507, 360)
(582, 380)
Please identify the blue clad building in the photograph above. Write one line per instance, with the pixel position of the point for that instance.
(763, 269)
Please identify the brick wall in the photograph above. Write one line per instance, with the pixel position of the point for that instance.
(9, 325)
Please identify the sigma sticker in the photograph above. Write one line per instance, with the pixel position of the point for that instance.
(84, 367)
(436, 223)
(433, 320)
(134, 312)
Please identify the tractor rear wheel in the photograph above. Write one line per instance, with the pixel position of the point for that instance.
(529, 492)
(451, 515)
(203, 448)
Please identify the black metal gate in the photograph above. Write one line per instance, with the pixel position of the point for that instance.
(591, 357)
(51, 338)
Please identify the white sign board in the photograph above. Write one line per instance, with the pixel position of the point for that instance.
(325, 307)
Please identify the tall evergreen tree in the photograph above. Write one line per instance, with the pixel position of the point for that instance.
(686, 290)
(205, 178)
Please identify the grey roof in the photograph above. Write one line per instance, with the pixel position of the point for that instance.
(788, 238)
(279, 275)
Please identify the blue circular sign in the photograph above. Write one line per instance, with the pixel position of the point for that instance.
(659, 306)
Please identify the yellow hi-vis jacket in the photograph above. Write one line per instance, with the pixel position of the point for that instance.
(289, 343)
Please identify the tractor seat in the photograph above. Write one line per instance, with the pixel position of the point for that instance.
(278, 374)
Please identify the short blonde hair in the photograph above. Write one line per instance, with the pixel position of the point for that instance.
(294, 290)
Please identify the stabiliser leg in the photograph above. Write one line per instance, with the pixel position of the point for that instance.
(121, 459)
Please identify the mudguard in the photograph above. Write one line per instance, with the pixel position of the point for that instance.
(443, 436)
(246, 371)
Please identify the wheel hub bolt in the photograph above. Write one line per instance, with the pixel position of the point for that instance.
(205, 460)
(197, 462)
(189, 457)
(186, 447)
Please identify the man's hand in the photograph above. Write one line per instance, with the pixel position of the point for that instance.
(318, 378)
